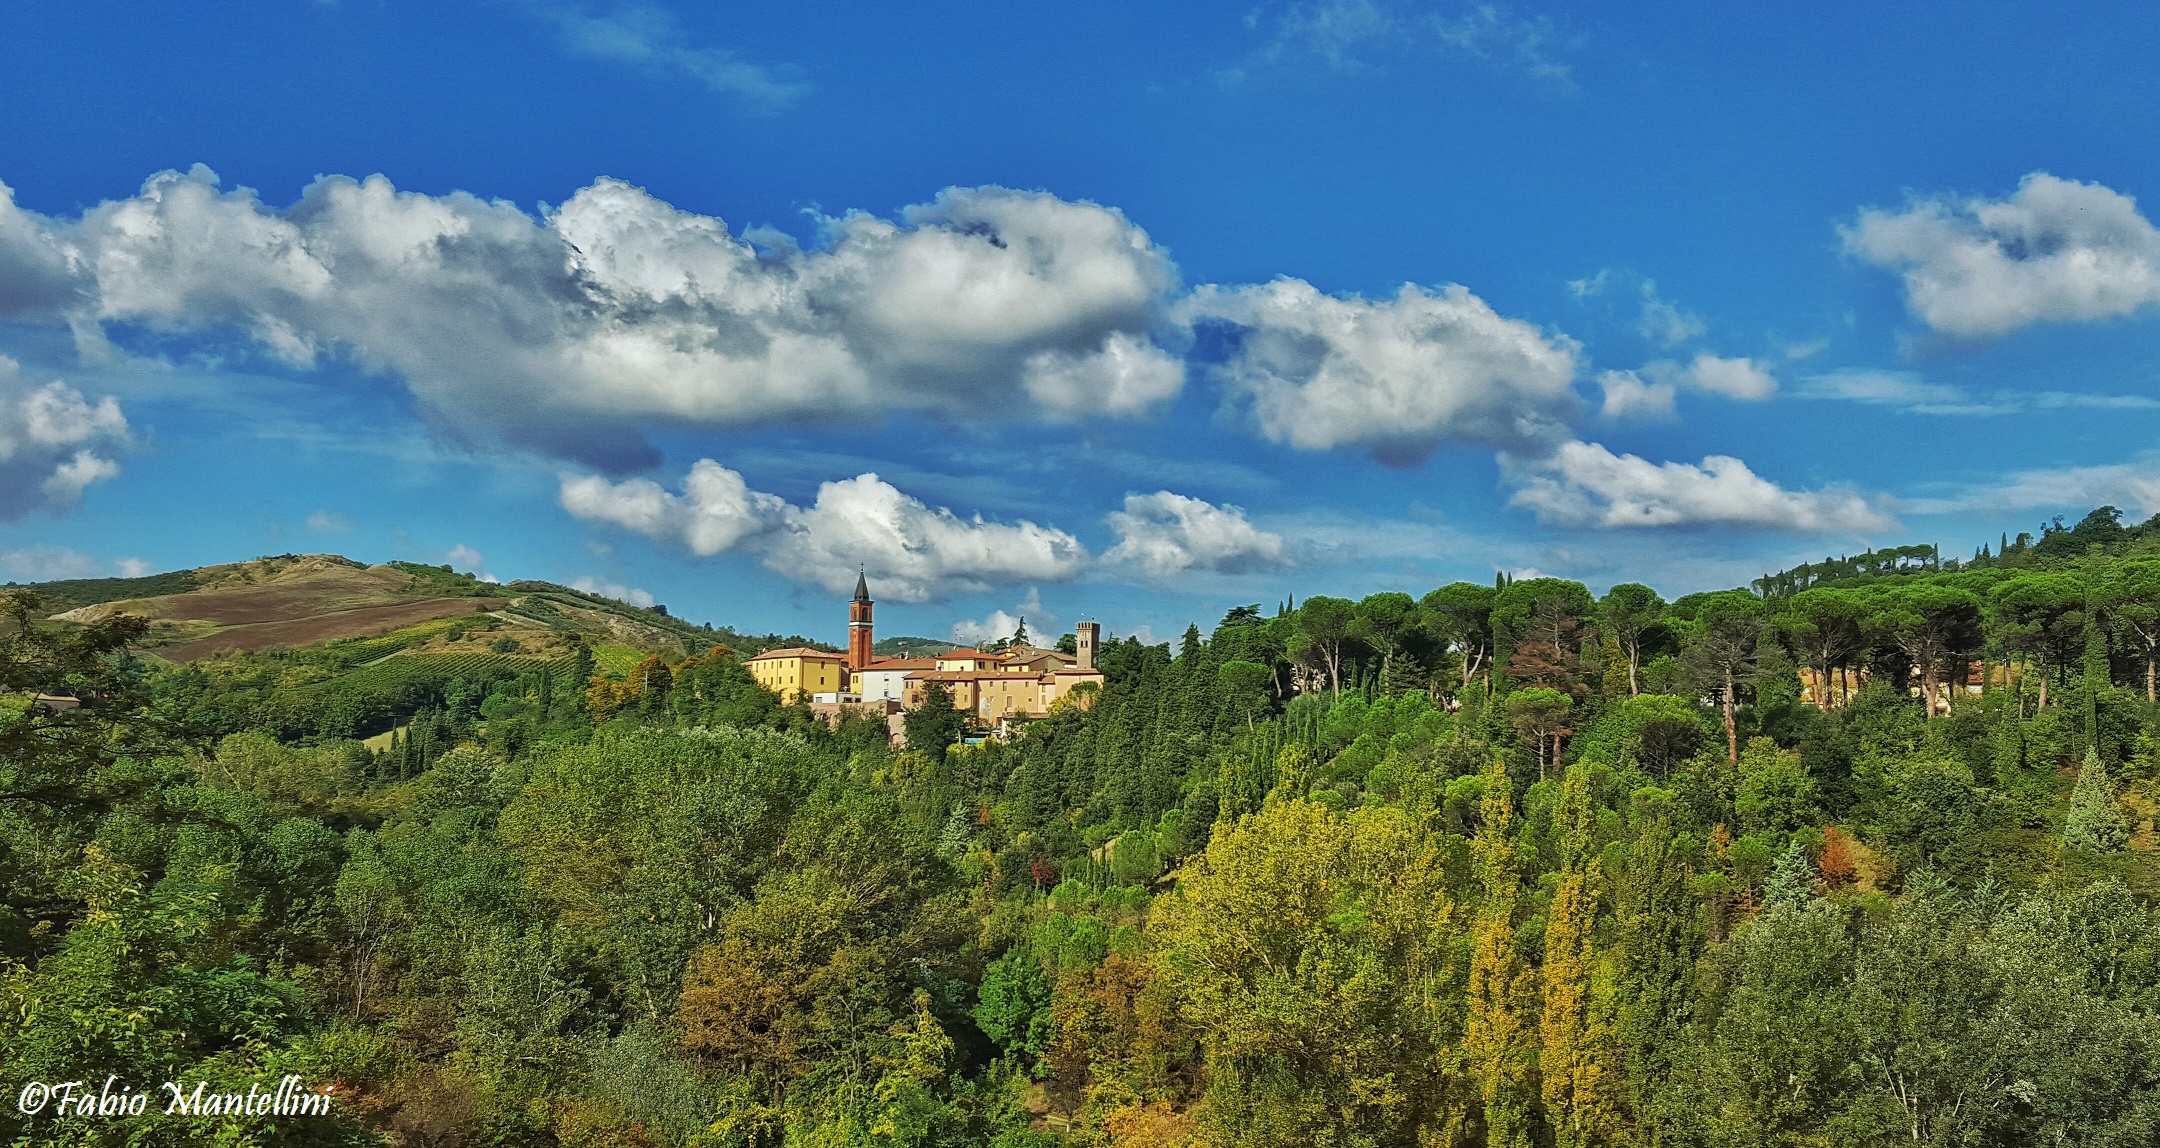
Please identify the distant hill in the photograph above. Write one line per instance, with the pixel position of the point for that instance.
(301, 600)
(911, 647)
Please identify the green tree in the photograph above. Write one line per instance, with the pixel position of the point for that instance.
(1013, 1005)
(1726, 654)
(1659, 935)
(1630, 614)
(1321, 635)
(1542, 716)
(2094, 824)
(2041, 615)
(1247, 684)
(1461, 616)
(1823, 628)
(2129, 594)
(1936, 626)
(1385, 623)
(934, 723)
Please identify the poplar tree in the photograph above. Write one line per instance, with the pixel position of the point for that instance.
(1497, 1039)
(1574, 1062)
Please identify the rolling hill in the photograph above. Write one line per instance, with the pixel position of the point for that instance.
(302, 600)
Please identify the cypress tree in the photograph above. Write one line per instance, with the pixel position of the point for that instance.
(1660, 935)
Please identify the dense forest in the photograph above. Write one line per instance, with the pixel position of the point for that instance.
(1862, 855)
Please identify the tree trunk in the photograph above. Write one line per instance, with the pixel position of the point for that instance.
(1634, 664)
(2043, 684)
(1732, 726)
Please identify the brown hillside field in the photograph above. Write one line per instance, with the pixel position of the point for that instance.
(361, 623)
(293, 601)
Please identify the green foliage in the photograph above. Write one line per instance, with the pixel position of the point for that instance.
(1296, 881)
(2093, 823)
(1013, 1004)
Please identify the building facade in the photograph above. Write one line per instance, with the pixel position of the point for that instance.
(991, 686)
(798, 672)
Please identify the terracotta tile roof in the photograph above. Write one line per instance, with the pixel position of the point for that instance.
(902, 664)
(803, 652)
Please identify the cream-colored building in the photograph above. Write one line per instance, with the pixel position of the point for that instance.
(991, 686)
(885, 679)
(1020, 680)
(796, 672)
(966, 661)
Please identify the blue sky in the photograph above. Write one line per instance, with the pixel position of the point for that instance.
(1072, 310)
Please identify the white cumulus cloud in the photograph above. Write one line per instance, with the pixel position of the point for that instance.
(1164, 534)
(1398, 376)
(469, 560)
(1743, 379)
(54, 443)
(1585, 484)
(911, 550)
(1627, 396)
(1042, 625)
(2056, 250)
(575, 330)
(45, 563)
(605, 588)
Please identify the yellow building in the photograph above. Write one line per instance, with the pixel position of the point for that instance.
(797, 671)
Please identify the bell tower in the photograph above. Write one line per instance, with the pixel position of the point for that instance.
(859, 640)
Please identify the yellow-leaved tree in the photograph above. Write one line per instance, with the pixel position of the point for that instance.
(1576, 1066)
(1310, 951)
(1499, 1042)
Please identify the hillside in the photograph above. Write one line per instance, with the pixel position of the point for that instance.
(299, 600)
(284, 601)
(906, 647)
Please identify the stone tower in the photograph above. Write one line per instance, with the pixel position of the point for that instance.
(1086, 637)
(859, 640)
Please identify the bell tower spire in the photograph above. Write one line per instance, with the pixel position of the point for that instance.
(859, 639)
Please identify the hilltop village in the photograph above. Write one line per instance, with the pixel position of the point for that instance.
(993, 687)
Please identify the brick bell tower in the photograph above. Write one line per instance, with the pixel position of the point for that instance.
(858, 624)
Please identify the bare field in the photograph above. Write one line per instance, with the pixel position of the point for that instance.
(298, 590)
(364, 622)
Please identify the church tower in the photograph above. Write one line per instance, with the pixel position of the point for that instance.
(859, 640)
